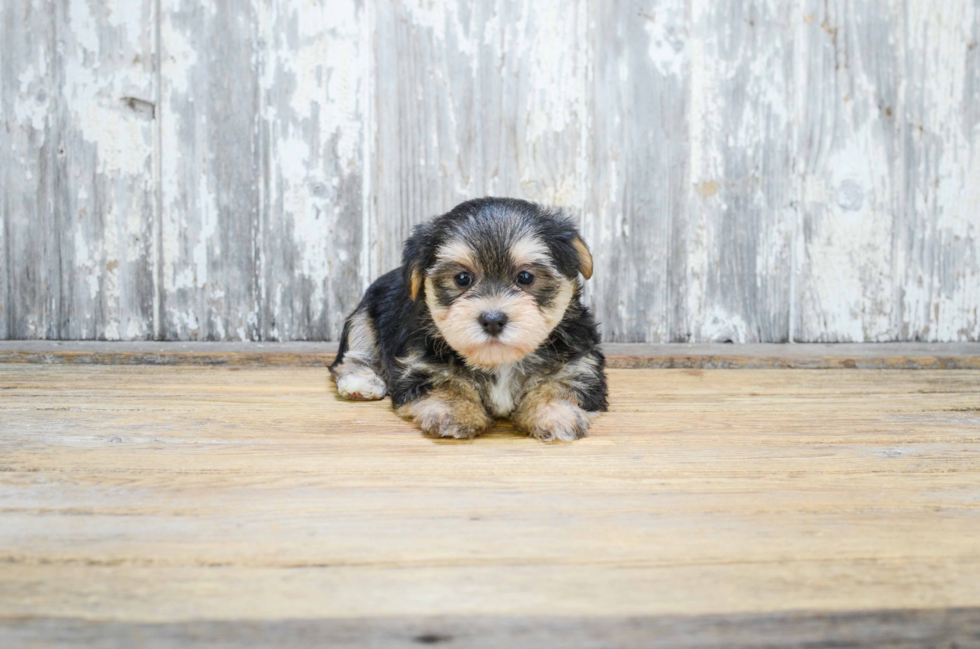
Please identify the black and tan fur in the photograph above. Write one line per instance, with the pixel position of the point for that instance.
(458, 336)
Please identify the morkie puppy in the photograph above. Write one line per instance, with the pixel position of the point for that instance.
(483, 320)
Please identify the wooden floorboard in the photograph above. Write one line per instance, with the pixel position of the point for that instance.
(775, 507)
(892, 629)
(912, 356)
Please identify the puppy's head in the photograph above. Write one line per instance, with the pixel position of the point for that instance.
(496, 276)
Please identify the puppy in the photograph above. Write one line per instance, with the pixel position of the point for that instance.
(483, 320)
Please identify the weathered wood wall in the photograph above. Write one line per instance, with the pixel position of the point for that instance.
(762, 170)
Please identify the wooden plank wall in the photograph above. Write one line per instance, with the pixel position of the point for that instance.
(758, 171)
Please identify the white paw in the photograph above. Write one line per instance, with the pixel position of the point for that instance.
(560, 421)
(438, 416)
(361, 386)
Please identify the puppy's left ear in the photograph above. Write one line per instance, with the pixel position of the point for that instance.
(414, 259)
(584, 257)
(415, 284)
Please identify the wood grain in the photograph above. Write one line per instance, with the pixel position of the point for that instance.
(895, 629)
(738, 234)
(638, 169)
(474, 99)
(163, 495)
(28, 159)
(846, 287)
(753, 172)
(312, 137)
(210, 162)
(906, 356)
(77, 167)
(884, 91)
(941, 270)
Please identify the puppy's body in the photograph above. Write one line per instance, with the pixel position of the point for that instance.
(483, 320)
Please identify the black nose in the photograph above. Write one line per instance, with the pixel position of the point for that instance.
(493, 323)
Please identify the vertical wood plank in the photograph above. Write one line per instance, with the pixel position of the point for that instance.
(6, 308)
(852, 163)
(211, 171)
(312, 138)
(738, 231)
(78, 199)
(474, 99)
(638, 165)
(938, 234)
(105, 191)
(28, 154)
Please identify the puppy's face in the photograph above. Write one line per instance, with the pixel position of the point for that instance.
(494, 286)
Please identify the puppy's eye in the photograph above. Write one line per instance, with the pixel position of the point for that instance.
(525, 278)
(463, 280)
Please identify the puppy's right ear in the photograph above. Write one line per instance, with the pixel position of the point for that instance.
(415, 284)
(414, 259)
(584, 257)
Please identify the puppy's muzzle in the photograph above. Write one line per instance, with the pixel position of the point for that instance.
(493, 322)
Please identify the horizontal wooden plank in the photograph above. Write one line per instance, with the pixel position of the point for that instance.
(783, 507)
(619, 355)
(896, 629)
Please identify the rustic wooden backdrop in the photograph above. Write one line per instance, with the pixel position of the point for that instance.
(760, 170)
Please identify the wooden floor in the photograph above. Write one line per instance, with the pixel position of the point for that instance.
(174, 505)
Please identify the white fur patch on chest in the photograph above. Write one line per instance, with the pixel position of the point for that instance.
(502, 390)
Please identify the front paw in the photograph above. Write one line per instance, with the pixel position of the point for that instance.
(362, 385)
(440, 415)
(556, 421)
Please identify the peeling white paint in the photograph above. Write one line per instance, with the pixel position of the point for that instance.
(850, 258)
(32, 104)
(554, 68)
(942, 288)
(667, 25)
(86, 265)
(719, 326)
(128, 16)
(95, 98)
(205, 243)
(179, 58)
(83, 28)
(743, 171)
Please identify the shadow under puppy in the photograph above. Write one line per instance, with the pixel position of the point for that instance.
(484, 319)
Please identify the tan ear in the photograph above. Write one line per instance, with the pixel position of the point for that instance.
(584, 258)
(416, 284)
